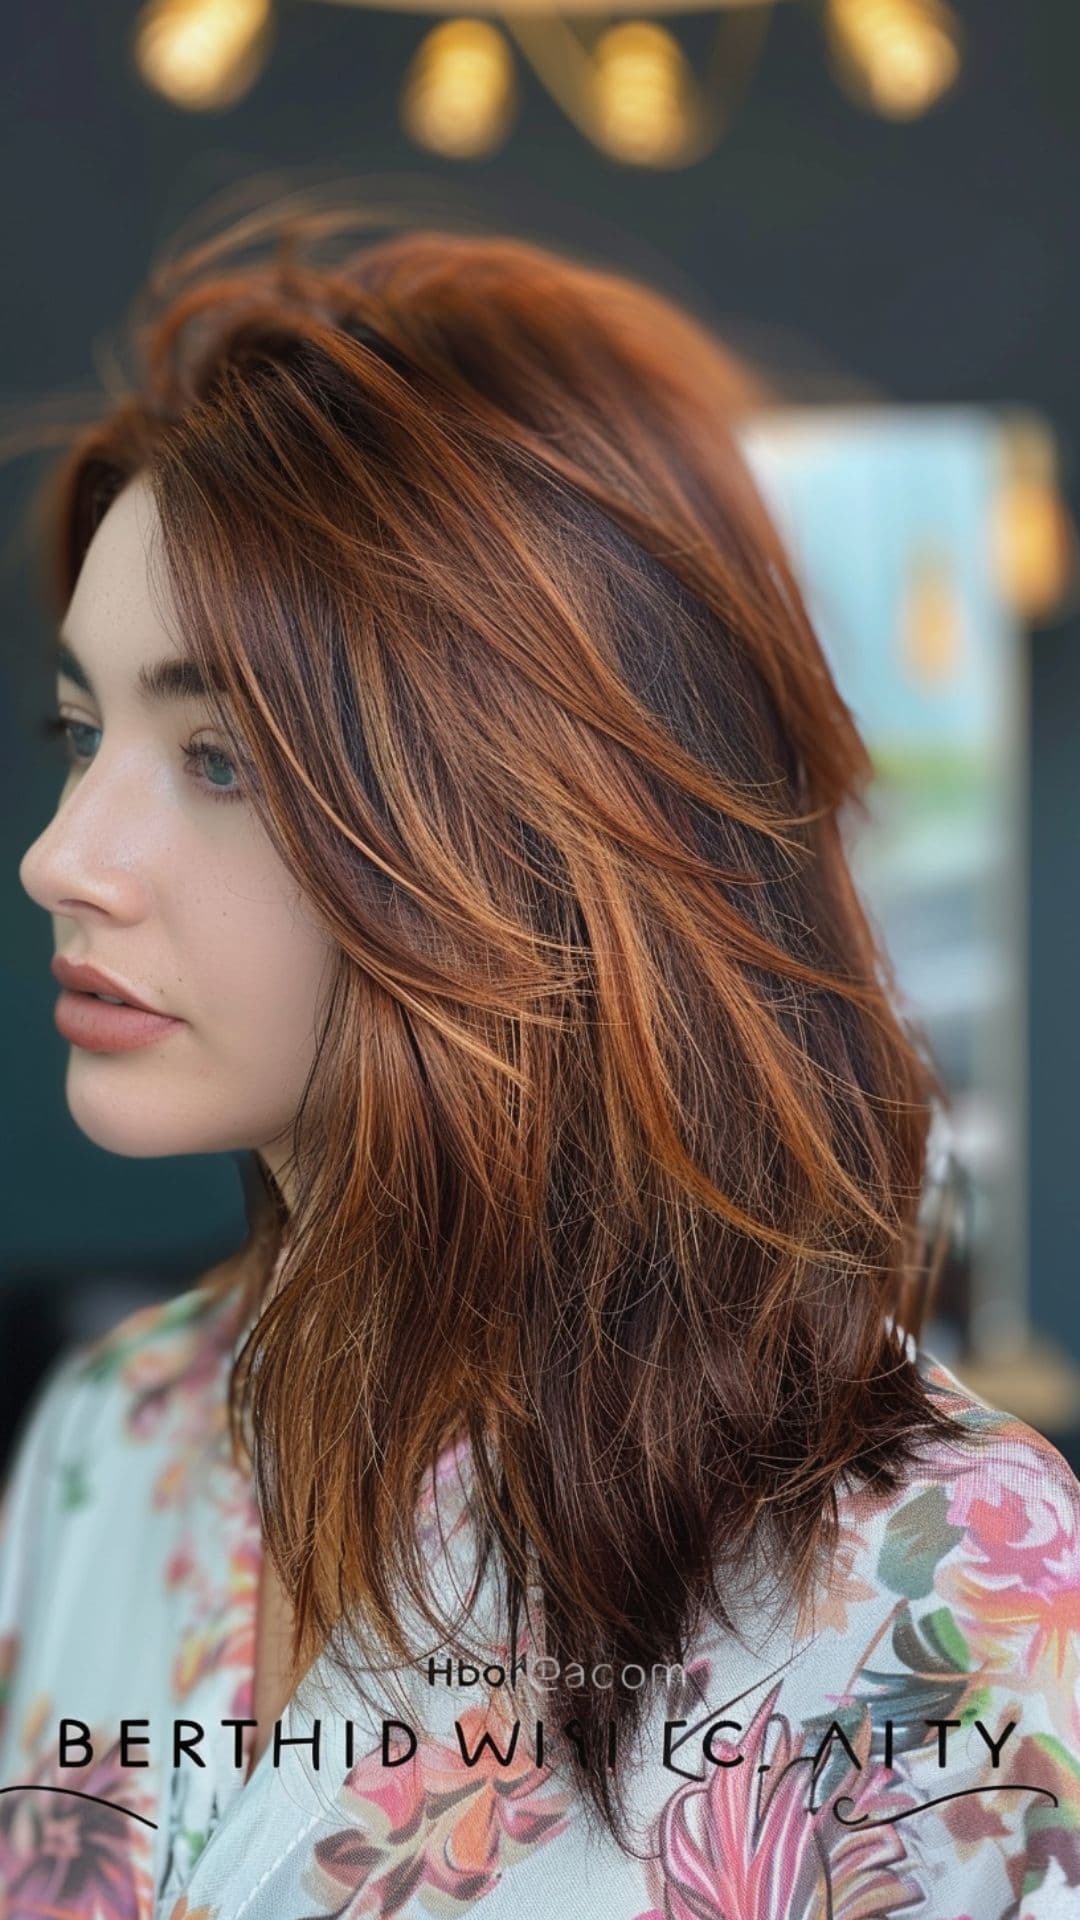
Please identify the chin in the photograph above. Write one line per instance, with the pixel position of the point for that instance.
(119, 1103)
(131, 1105)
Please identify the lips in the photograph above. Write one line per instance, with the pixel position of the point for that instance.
(80, 977)
(99, 1027)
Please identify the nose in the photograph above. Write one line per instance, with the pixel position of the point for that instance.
(87, 859)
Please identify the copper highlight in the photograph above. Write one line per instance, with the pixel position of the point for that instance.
(614, 1156)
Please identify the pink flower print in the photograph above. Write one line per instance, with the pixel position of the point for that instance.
(436, 1822)
(745, 1845)
(222, 1631)
(167, 1354)
(839, 1584)
(180, 1564)
(63, 1853)
(442, 1502)
(1023, 1512)
(10, 1644)
(220, 1602)
(174, 1364)
(1014, 1584)
(1040, 1842)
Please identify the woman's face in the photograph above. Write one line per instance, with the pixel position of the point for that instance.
(156, 869)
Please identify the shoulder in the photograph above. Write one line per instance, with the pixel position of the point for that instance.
(96, 1493)
(968, 1605)
(981, 1530)
(156, 1375)
(1001, 1447)
(161, 1346)
(981, 1538)
(996, 1486)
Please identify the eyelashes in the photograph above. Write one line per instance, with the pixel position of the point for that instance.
(202, 756)
(54, 726)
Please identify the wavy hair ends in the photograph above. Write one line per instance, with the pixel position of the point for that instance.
(614, 1150)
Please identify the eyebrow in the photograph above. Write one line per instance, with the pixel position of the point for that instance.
(163, 680)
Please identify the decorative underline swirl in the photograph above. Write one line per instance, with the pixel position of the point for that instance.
(961, 1793)
(43, 1786)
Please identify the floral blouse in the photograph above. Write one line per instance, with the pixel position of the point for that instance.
(911, 1749)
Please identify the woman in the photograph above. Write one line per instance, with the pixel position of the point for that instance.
(455, 783)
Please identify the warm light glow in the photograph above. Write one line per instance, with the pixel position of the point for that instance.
(1035, 548)
(459, 93)
(931, 621)
(641, 93)
(899, 56)
(202, 53)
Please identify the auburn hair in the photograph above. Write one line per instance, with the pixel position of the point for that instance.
(613, 1158)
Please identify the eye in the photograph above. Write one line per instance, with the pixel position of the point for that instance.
(54, 726)
(213, 760)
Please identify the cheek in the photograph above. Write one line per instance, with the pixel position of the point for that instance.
(271, 973)
(257, 957)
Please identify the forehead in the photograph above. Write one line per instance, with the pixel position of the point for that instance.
(120, 625)
(121, 600)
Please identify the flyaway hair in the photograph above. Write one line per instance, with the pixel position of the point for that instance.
(614, 1153)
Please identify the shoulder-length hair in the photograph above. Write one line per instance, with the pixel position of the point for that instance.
(611, 1161)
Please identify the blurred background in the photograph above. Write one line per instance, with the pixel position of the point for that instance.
(874, 199)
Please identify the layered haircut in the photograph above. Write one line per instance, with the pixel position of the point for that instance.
(613, 1158)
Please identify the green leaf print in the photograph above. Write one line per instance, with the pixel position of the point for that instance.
(74, 1485)
(917, 1536)
(112, 1353)
(1052, 1745)
(920, 1651)
(941, 1631)
(980, 1706)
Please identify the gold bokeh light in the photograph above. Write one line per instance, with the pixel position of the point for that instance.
(1034, 538)
(202, 54)
(628, 89)
(459, 94)
(641, 92)
(897, 56)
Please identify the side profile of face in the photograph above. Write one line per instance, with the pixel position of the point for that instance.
(156, 869)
